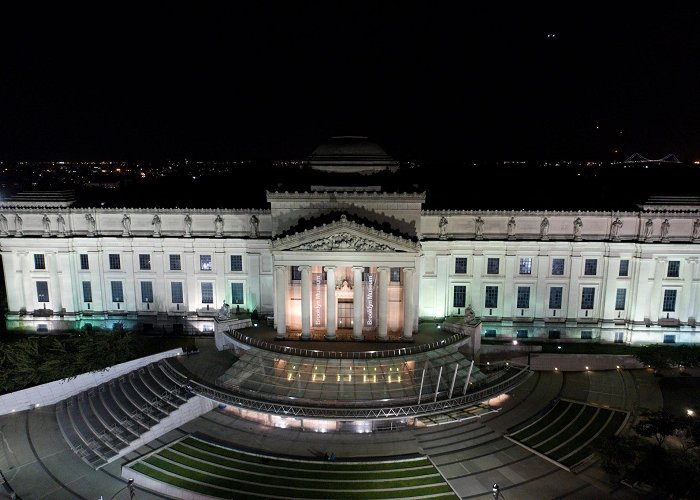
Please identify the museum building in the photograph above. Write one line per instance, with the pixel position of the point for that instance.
(360, 261)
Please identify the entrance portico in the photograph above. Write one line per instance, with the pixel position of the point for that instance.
(344, 276)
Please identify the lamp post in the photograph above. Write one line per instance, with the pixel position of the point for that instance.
(496, 491)
(129, 486)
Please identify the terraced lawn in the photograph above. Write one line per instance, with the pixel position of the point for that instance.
(567, 430)
(200, 466)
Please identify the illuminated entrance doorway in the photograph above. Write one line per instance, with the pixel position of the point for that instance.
(345, 311)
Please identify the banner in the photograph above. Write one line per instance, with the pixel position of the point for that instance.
(370, 316)
(318, 301)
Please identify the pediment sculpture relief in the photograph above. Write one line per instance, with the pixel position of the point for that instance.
(344, 241)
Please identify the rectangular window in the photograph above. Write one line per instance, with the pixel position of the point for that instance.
(207, 293)
(557, 267)
(460, 296)
(521, 334)
(147, 291)
(674, 267)
(490, 334)
(84, 262)
(491, 297)
(87, 291)
(620, 299)
(586, 334)
(237, 293)
(296, 273)
(669, 339)
(554, 334)
(493, 265)
(42, 291)
(624, 267)
(114, 261)
(395, 275)
(669, 300)
(526, 265)
(175, 264)
(236, 263)
(590, 267)
(145, 261)
(176, 292)
(587, 297)
(460, 265)
(523, 297)
(555, 295)
(117, 291)
(205, 262)
(39, 262)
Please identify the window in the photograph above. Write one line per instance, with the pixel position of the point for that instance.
(669, 300)
(526, 265)
(39, 262)
(296, 273)
(42, 291)
(114, 261)
(586, 334)
(490, 334)
(145, 261)
(207, 293)
(523, 297)
(669, 339)
(587, 297)
(395, 275)
(624, 267)
(620, 299)
(117, 291)
(176, 292)
(87, 291)
(555, 295)
(493, 265)
(460, 265)
(147, 291)
(674, 267)
(557, 267)
(175, 264)
(554, 334)
(460, 296)
(236, 263)
(590, 267)
(521, 334)
(205, 262)
(237, 293)
(491, 297)
(84, 262)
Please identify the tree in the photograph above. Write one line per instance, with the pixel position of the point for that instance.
(658, 425)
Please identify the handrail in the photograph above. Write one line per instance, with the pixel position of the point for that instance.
(317, 353)
(292, 409)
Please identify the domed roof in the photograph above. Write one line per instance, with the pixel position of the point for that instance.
(351, 154)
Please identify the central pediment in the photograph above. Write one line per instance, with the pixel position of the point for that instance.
(344, 236)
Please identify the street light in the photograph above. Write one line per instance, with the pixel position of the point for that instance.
(496, 490)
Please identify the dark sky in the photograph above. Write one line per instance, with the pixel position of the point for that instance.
(267, 80)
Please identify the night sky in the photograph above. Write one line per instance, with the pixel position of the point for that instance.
(263, 80)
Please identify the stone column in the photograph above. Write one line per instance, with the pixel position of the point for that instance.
(382, 333)
(305, 302)
(357, 303)
(408, 303)
(281, 287)
(331, 319)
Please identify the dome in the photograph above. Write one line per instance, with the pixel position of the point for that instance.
(351, 154)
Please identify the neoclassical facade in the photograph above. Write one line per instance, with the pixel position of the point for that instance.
(360, 262)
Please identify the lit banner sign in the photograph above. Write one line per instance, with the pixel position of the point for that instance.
(370, 319)
(319, 303)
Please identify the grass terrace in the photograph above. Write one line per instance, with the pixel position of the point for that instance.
(199, 466)
(566, 431)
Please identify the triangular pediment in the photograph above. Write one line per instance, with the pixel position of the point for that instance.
(344, 236)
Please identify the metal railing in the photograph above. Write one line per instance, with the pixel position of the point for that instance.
(235, 335)
(519, 374)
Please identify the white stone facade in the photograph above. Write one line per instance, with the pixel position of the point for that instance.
(505, 264)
